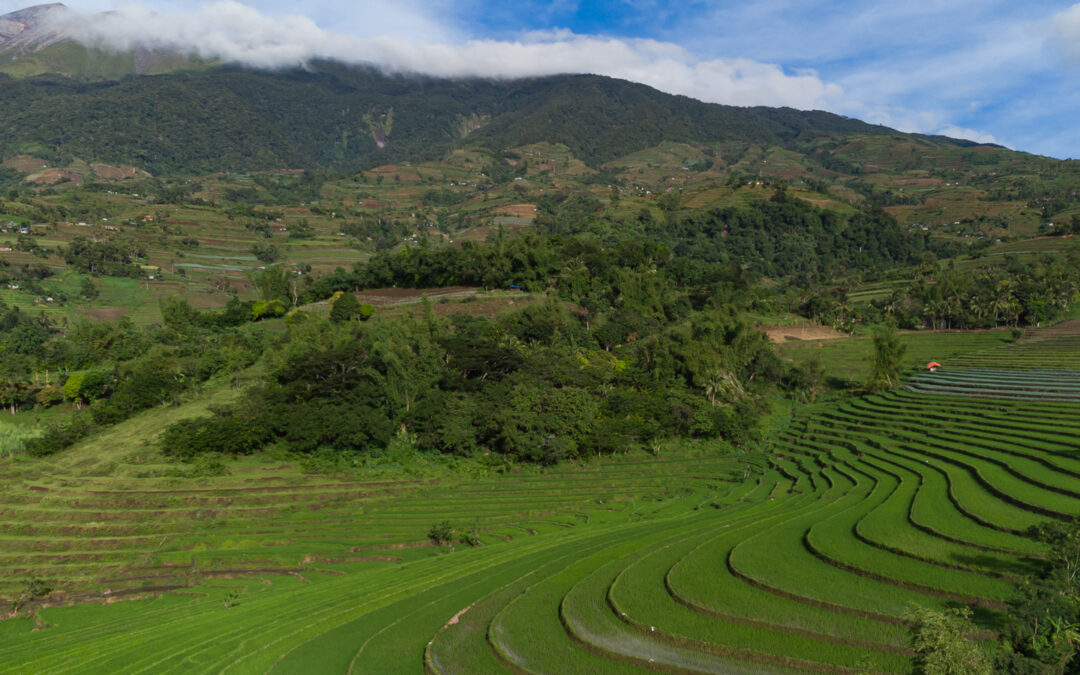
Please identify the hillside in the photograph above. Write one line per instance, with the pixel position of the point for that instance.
(338, 117)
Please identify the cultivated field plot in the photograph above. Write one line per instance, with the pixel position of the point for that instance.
(102, 538)
(1046, 385)
(848, 359)
(867, 509)
(1053, 347)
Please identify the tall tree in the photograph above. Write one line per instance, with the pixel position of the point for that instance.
(887, 359)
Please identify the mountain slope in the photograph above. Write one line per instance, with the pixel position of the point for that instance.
(34, 41)
(29, 30)
(340, 117)
(66, 101)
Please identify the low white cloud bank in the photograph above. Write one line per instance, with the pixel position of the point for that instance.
(968, 134)
(233, 32)
(918, 122)
(1067, 31)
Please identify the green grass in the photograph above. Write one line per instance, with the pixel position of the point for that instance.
(848, 360)
(13, 438)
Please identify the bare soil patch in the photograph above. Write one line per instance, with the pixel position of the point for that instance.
(821, 203)
(353, 559)
(53, 176)
(25, 164)
(392, 547)
(380, 297)
(788, 334)
(479, 307)
(517, 210)
(918, 182)
(106, 313)
(109, 172)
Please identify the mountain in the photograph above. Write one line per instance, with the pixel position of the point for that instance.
(33, 41)
(63, 101)
(29, 30)
(342, 117)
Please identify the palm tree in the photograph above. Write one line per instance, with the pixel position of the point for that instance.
(721, 384)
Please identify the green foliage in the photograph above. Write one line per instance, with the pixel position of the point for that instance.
(148, 381)
(33, 589)
(13, 439)
(536, 384)
(1044, 616)
(232, 599)
(887, 359)
(942, 645)
(88, 289)
(37, 588)
(261, 119)
(22, 334)
(61, 436)
(441, 533)
(1014, 294)
(86, 387)
(266, 253)
(276, 283)
(49, 396)
(471, 537)
(261, 309)
(806, 379)
(345, 307)
(111, 257)
(770, 238)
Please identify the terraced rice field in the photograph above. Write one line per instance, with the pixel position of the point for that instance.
(1052, 347)
(805, 558)
(1041, 385)
(864, 510)
(99, 537)
(1055, 347)
(847, 360)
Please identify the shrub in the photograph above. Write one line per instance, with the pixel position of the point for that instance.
(441, 533)
(60, 437)
(471, 537)
(941, 643)
(345, 307)
(49, 395)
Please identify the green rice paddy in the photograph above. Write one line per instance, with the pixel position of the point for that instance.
(806, 556)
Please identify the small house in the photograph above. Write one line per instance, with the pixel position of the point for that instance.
(933, 367)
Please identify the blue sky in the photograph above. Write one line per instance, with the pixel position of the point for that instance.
(988, 70)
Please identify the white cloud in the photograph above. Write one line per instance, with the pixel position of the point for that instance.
(1067, 31)
(413, 42)
(967, 134)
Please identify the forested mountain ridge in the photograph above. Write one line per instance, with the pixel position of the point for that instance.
(341, 117)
